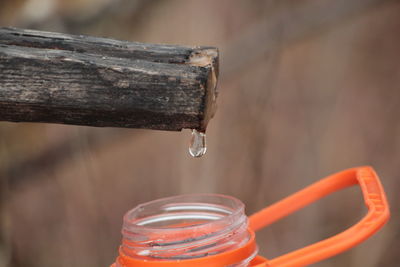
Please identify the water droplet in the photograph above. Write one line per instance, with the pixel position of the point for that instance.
(197, 144)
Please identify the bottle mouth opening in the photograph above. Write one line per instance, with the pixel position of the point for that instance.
(184, 227)
(183, 212)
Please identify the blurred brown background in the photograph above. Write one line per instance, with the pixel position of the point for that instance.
(307, 88)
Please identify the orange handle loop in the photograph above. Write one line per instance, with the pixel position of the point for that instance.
(377, 216)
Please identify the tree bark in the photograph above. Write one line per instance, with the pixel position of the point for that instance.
(83, 80)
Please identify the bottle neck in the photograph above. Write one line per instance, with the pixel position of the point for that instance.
(185, 227)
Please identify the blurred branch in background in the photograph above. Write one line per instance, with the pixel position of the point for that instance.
(76, 16)
(287, 22)
(53, 155)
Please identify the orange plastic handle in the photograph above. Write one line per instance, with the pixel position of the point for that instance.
(375, 199)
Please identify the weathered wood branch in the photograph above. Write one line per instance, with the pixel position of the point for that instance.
(82, 80)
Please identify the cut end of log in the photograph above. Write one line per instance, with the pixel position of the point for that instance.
(208, 57)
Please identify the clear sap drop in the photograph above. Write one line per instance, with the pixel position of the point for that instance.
(197, 144)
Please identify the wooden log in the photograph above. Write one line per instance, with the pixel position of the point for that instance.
(83, 80)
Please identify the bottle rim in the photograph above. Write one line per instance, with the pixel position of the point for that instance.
(237, 210)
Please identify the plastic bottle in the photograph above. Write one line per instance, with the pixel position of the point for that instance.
(209, 230)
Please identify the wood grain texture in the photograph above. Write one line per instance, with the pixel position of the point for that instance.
(82, 80)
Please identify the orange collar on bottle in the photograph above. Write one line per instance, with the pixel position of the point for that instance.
(223, 259)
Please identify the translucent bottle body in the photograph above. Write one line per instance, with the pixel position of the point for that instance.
(186, 227)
